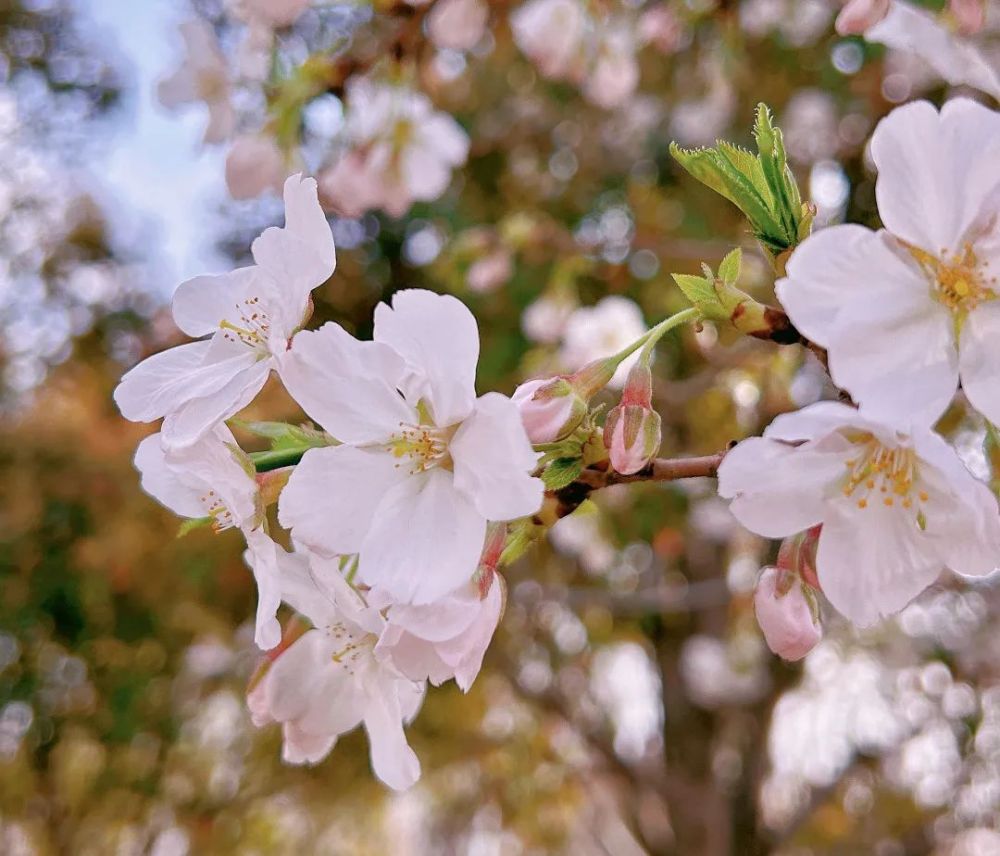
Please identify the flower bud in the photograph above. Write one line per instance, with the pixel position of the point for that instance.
(632, 429)
(787, 613)
(857, 16)
(550, 408)
(797, 554)
(969, 15)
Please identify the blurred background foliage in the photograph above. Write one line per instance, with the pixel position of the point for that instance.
(628, 704)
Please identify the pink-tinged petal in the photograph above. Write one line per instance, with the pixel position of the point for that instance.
(197, 416)
(440, 620)
(165, 381)
(897, 358)
(937, 171)
(221, 120)
(288, 688)
(424, 541)
(412, 656)
(979, 359)
(777, 489)
(958, 61)
(331, 498)
(873, 561)
(437, 336)
(300, 747)
(961, 514)
(465, 653)
(393, 761)
(494, 461)
(263, 562)
(348, 386)
(202, 303)
(180, 88)
(424, 173)
(832, 270)
(305, 589)
(161, 481)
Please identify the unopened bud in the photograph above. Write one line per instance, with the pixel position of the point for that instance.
(787, 613)
(550, 408)
(632, 429)
(857, 16)
(969, 15)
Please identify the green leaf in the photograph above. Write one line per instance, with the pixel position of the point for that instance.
(700, 291)
(191, 524)
(729, 268)
(562, 472)
(285, 436)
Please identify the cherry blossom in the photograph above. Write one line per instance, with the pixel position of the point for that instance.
(328, 681)
(601, 330)
(457, 24)
(896, 507)
(254, 165)
(402, 151)
(203, 76)
(551, 33)
(213, 479)
(785, 613)
(957, 60)
(550, 408)
(614, 73)
(908, 311)
(424, 464)
(632, 429)
(249, 315)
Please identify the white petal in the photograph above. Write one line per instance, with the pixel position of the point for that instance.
(962, 518)
(300, 256)
(897, 358)
(437, 336)
(300, 747)
(393, 761)
(200, 304)
(425, 175)
(979, 359)
(165, 381)
(439, 620)
(832, 269)
(330, 500)
(425, 540)
(813, 422)
(161, 482)
(777, 489)
(348, 386)
(198, 415)
(263, 561)
(936, 171)
(494, 460)
(465, 653)
(873, 561)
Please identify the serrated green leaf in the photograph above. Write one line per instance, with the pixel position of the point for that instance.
(562, 472)
(713, 169)
(729, 268)
(699, 290)
(191, 524)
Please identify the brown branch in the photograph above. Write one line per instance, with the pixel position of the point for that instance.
(600, 475)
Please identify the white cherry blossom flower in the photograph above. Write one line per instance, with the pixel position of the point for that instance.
(958, 61)
(906, 312)
(457, 24)
(424, 464)
(896, 508)
(209, 479)
(203, 76)
(249, 314)
(329, 681)
(593, 332)
(551, 34)
(255, 164)
(403, 151)
(614, 73)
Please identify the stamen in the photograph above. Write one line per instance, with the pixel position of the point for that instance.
(959, 282)
(890, 473)
(423, 446)
(256, 326)
(222, 517)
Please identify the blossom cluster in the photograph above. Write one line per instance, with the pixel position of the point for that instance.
(396, 512)
(908, 315)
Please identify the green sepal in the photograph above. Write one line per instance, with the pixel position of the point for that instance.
(189, 525)
(285, 436)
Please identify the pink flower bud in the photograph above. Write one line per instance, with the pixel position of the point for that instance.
(969, 15)
(857, 16)
(786, 612)
(632, 429)
(550, 408)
